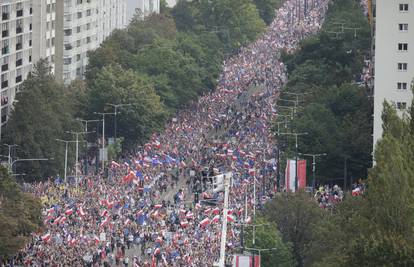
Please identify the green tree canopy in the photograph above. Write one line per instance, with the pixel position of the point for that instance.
(20, 215)
(40, 115)
(118, 86)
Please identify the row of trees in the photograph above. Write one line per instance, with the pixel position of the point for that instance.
(332, 108)
(158, 66)
(375, 229)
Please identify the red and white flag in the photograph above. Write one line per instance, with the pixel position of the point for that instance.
(46, 237)
(69, 212)
(216, 219)
(205, 222)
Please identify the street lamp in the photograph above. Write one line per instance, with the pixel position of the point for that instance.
(34, 159)
(103, 134)
(66, 155)
(116, 106)
(9, 160)
(292, 110)
(296, 155)
(86, 122)
(313, 165)
(77, 150)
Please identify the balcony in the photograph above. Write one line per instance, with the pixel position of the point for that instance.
(19, 46)
(19, 13)
(4, 84)
(5, 16)
(4, 67)
(5, 50)
(19, 62)
(19, 78)
(19, 30)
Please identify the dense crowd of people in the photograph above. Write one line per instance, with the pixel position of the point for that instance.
(158, 207)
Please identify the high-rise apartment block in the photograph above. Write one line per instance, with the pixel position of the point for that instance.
(394, 57)
(62, 31)
(84, 25)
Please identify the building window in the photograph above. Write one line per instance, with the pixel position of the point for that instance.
(68, 32)
(19, 26)
(401, 86)
(88, 26)
(88, 12)
(401, 105)
(88, 40)
(404, 7)
(402, 66)
(19, 9)
(5, 12)
(48, 9)
(78, 57)
(79, 2)
(79, 15)
(403, 27)
(67, 61)
(5, 30)
(78, 29)
(402, 47)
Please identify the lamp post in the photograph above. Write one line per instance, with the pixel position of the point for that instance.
(296, 155)
(34, 159)
(77, 151)
(292, 110)
(103, 134)
(66, 155)
(9, 158)
(116, 106)
(313, 165)
(86, 129)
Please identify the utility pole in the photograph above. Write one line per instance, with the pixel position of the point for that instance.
(296, 155)
(34, 159)
(224, 224)
(86, 129)
(345, 171)
(86, 122)
(313, 165)
(103, 135)
(278, 153)
(66, 156)
(116, 106)
(77, 151)
(9, 160)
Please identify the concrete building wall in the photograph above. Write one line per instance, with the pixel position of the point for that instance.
(394, 57)
(16, 50)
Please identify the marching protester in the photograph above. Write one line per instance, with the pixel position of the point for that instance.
(160, 207)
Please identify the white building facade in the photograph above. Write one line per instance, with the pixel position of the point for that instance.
(85, 24)
(16, 49)
(394, 58)
(147, 7)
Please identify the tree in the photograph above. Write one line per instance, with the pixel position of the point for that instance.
(113, 84)
(267, 9)
(269, 237)
(295, 215)
(40, 115)
(20, 215)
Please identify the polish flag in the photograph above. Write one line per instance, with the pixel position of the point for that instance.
(158, 206)
(115, 164)
(248, 220)
(230, 218)
(104, 222)
(110, 204)
(198, 206)
(216, 219)
(62, 220)
(216, 211)
(159, 240)
(46, 237)
(207, 212)
(182, 212)
(184, 224)
(103, 202)
(72, 242)
(157, 251)
(96, 239)
(189, 215)
(234, 158)
(205, 222)
(128, 221)
(252, 172)
(242, 153)
(229, 152)
(68, 212)
(246, 164)
(51, 210)
(81, 211)
(104, 213)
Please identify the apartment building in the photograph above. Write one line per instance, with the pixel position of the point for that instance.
(147, 7)
(83, 25)
(16, 49)
(394, 57)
